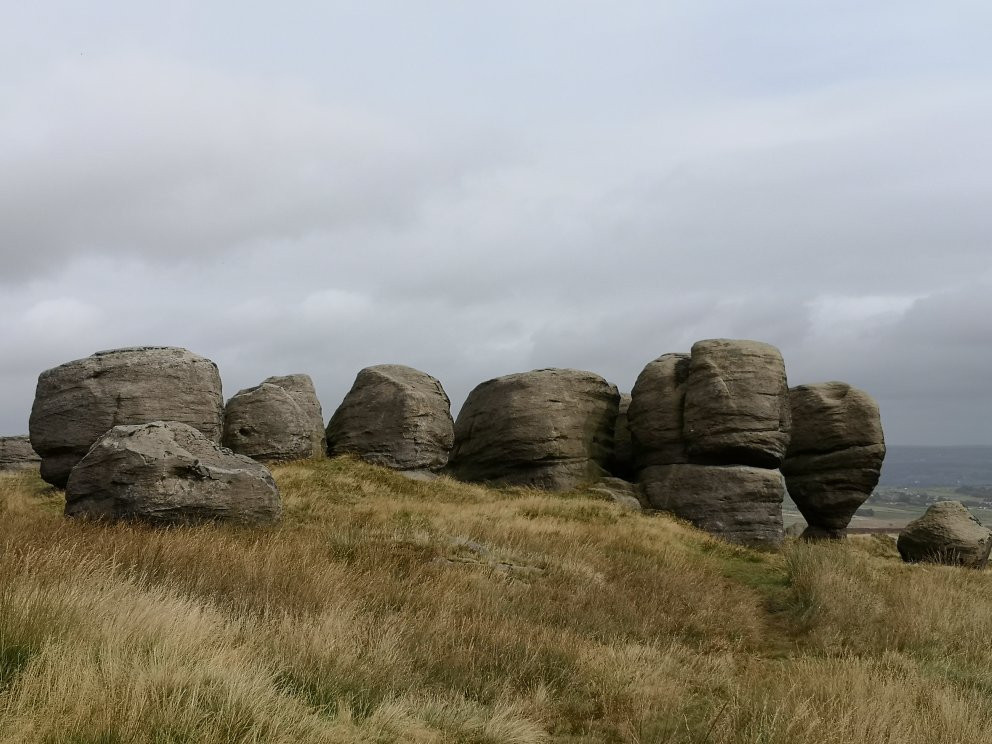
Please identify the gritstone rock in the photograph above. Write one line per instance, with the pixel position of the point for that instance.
(947, 533)
(16, 454)
(265, 423)
(301, 389)
(655, 413)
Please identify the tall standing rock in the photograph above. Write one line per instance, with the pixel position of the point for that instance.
(301, 389)
(266, 423)
(165, 472)
(656, 412)
(16, 454)
(947, 533)
(736, 404)
(394, 416)
(738, 503)
(550, 428)
(835, 455)
(77, 402)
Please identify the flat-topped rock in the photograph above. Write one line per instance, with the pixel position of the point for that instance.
(394, 416)
(835, 455)
(946, 533)
(16, 454)
(737, 503)
(77, 402)
(550, 428)
(266, 423)
(169, 473)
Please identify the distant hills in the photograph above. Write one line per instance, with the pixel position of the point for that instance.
(937, 466)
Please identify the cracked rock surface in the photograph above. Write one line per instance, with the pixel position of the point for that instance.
(550, 428)
(165, 472)
(394, 416)
(78, 402)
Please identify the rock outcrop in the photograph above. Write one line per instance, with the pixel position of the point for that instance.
(169, 473)
(739, 503)
(77, 402)
(622, 460)
(655, 413)
(16, 454)
(300, 388)
(550, 428)
(394, 416)
(947, 533)
(265, 423)
(736, 404)
(835, 454)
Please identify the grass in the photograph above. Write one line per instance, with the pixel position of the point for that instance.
(389, 610)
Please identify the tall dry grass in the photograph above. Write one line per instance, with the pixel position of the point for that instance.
(388, 610)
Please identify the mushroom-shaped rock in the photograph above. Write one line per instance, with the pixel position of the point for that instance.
(550, 428)
(78, 402)
(165, 472)
(16, 454)
(394, 416)
(622, 461)
(655, 413)
(300, 388)
(835, 454)
(738, 503)
(736, 404)
(266, 423)
(946, 533)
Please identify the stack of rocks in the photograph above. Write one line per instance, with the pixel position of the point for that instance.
(709, 430)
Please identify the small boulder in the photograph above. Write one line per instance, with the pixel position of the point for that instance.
(738, 503)
(550, 428)
(16, 454)
(655, 413)
(947, 533)
(169, 473)
(300, 388)
(78, 402)
(835, 455)
(265, 423)
(394, 416)
(736, 404)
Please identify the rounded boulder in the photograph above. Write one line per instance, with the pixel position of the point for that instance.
(946, 533)
(266, 423)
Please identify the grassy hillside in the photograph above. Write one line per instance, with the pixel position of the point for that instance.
(387, 610)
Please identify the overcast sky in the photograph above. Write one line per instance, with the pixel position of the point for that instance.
(479, 188)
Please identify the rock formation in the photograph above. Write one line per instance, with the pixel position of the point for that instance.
(655, 413)
(301, 389)
(169, 473)
(835, 454)
(394, 416)
(16, 454)
(550, 428)
(265, 423)
(77, 402)
(739, 503)
(947, 533)
(622, 460)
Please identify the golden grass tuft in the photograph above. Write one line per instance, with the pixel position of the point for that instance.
(390, 610)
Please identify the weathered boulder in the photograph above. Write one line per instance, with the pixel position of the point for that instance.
(265, 423)
(16, 454)
(736, 404)
(655, 413)
(835, 454)
(621, 492)
(394, 416)
(78, 402)
(622, 460)
(947, 533)
(738, 503)
(550, 428)
(301, 389)
(166, 472)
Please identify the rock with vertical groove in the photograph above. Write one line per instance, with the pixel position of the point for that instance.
(622, 460)
(77, 402)
(656, 412)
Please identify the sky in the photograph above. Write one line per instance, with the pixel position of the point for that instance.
(480, 188)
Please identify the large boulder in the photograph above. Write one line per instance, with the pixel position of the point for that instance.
(622, 460)
(394, 416)
(78, 402)
(655, 413)
(835, 454)
(550, 428)
(16, 454)
(169, 473)
(265, 423)
(947, 533)
(300, 388)
(738, 503)
(736, 404)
